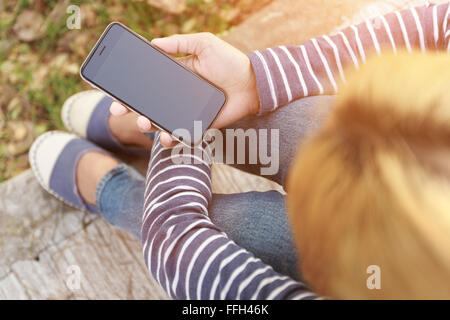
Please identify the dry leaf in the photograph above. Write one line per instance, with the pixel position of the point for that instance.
(189, 25)
(22, 134)
(72, 68)
(59, 60)
(89, 16)
(39, 75)
(231, 14)
(81, 44)
(172, 6)
(58, 12)
(2, 119)
(5, 46)
(15, 108)
(7, 94)
(29, 25)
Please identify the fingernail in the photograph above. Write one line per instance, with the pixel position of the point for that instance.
(117, 109)
(166, 139)
(159, 41)
(144, 123)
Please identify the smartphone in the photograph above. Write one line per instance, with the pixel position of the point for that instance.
(131, 70)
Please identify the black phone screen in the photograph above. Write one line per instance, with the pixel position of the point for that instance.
(151, 83)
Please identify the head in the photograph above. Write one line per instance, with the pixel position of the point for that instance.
(372, 188)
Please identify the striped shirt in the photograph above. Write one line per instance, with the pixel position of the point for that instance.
(186, 253)
(316, 67)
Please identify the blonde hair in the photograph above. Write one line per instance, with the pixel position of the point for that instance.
(372, 187)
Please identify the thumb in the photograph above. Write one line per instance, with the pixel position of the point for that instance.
(184, 43)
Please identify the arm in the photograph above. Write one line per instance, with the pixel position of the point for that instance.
(187, 254)
(288, 73)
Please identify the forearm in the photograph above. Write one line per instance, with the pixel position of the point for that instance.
(186, 253)
(318, 66)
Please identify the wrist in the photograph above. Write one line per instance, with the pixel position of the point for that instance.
(252, 89)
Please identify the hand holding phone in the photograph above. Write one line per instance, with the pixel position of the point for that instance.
(220, 63)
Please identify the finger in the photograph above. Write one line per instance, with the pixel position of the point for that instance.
(117, 109)
(166, 140)
(184, 43)
(144, 124)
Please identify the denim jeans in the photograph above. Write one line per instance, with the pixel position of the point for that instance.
(257, 221)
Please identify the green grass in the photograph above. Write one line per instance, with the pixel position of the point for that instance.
(57, 88)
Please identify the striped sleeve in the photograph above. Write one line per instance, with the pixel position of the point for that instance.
(316, 67)
(185, 252)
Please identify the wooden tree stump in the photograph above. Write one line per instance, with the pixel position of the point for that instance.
(42, 242)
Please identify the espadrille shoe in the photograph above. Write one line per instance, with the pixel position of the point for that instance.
(54, 157)
(86, 114)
